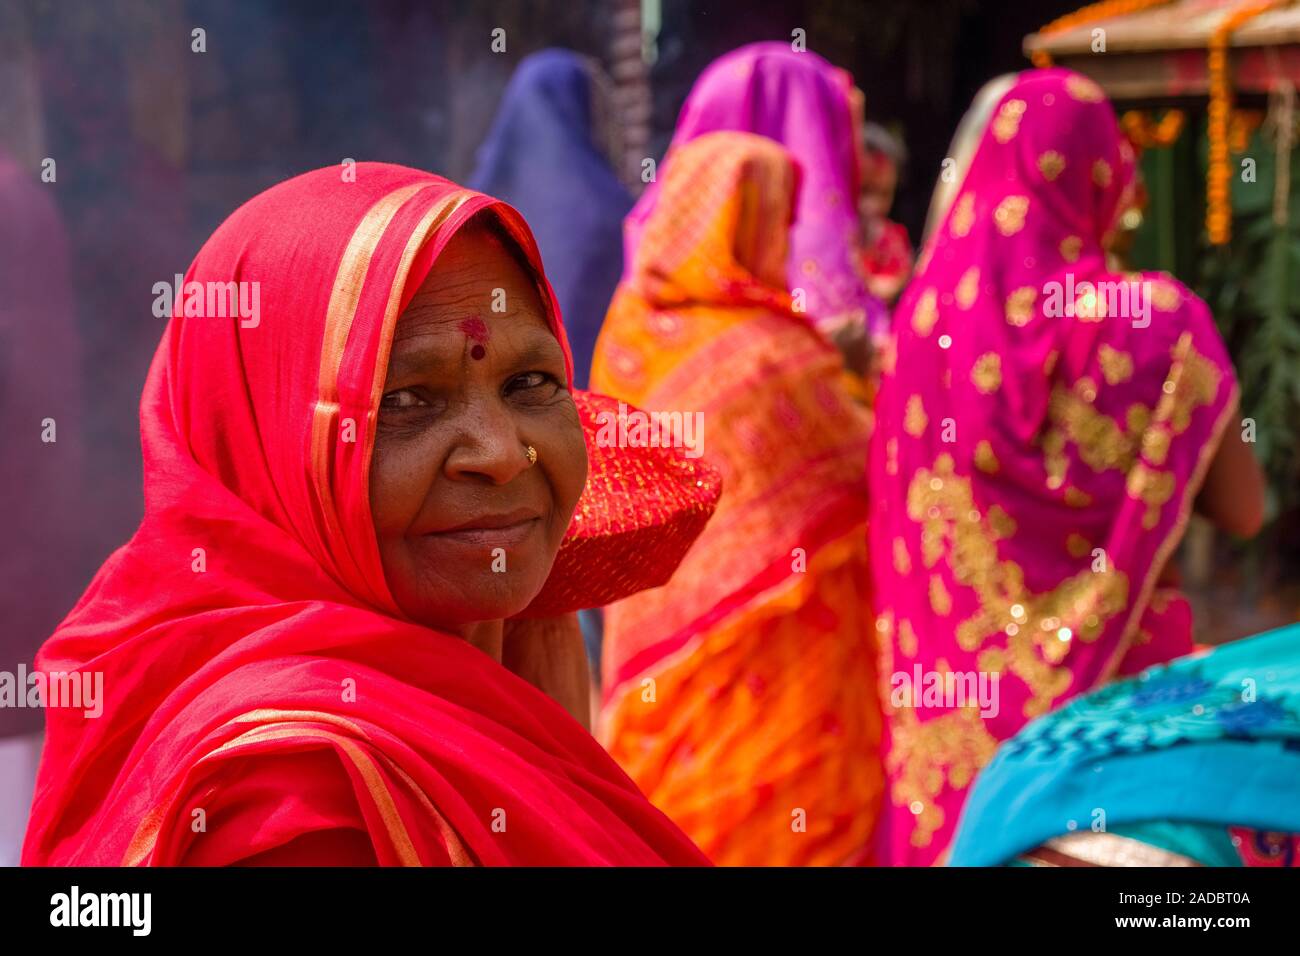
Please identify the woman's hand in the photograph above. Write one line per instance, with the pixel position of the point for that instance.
(1233, 495)
(550, 655)
(855, 348)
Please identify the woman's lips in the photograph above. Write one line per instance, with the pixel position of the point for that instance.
(506, 530)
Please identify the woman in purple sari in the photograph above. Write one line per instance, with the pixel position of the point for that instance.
(1044, 425)
(809, 107)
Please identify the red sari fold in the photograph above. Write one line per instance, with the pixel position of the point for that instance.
(264, 701)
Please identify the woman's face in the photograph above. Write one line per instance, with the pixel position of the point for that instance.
(467, 528)
(878, 188)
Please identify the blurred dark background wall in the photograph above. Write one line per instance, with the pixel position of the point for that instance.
(919, 62)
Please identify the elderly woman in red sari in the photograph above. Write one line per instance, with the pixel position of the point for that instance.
(359, 486)
(1044, 426)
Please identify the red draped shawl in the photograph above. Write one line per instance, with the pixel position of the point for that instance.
(264, 699)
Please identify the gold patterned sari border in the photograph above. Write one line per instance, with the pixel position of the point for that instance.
(349, 281)
(433, 220)
(146, 836)
(378, 791)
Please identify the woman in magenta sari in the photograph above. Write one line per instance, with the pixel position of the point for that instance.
(1043, 426)
(812, 109)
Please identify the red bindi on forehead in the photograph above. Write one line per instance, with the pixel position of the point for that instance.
(477, 331)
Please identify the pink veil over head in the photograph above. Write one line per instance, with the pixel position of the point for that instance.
(802, 102)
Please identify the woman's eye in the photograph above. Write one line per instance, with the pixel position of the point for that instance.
(402, 398)
(529, 381)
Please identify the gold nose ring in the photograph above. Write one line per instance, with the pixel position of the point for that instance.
(531, 454)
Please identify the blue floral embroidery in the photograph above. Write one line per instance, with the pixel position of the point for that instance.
(1170, 689)
(1242, 717)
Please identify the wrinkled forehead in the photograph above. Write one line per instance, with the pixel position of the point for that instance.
(479, 281)
(504, 229)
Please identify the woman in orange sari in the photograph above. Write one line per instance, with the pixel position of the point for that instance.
(740, 696)
(361, 457)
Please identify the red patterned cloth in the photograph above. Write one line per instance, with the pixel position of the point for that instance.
(890, 256)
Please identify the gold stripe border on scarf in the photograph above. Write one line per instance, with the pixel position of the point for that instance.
(341, 314)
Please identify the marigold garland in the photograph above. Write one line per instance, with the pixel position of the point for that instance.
(1242, 126)
(1144, 132)
(1218, 187)
(1103, 10)
(1226, 130)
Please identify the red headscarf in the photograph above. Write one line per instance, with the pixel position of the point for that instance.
(264, 699)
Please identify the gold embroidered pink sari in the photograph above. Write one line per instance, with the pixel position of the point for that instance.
(1042, 428)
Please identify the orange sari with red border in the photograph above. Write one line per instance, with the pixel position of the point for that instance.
(740, 696)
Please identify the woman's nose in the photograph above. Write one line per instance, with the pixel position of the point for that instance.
(488, 446)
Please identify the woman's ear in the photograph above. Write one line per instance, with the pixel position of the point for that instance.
(549, 653)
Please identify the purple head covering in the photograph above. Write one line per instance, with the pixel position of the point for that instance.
(802, 102)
